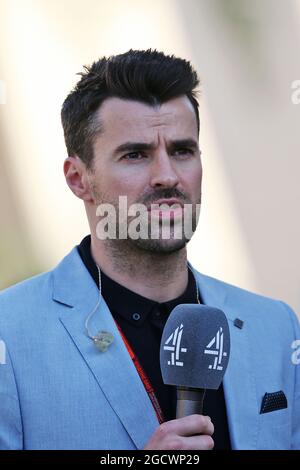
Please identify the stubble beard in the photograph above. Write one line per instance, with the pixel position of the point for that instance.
(155, 246)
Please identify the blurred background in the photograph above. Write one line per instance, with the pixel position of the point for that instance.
(247, 55)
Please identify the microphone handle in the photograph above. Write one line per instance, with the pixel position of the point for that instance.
(189, 401)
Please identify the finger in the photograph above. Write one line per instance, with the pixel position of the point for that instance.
(203, 442)
(189, 426)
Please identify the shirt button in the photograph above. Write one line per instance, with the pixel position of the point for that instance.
(157, 313)
(136, 316)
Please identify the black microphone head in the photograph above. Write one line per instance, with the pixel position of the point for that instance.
(195, 347)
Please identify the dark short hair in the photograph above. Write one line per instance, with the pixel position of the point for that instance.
(146, 76)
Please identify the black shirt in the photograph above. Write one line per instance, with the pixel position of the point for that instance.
(142, 322)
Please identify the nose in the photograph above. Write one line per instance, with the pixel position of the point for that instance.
(162, 172)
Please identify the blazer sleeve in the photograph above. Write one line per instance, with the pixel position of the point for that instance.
(11, 436)
(295, 358)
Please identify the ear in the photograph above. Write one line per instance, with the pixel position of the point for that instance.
(77, 178)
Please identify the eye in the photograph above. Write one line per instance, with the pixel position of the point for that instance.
(183, 152)
(133, 156)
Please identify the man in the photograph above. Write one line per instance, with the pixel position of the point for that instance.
(81, 367)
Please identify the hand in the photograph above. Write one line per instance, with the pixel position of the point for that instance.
(189, 433)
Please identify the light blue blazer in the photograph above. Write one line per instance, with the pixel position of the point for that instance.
(58, 392)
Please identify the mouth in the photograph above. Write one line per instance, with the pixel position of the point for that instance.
(166, 208)
(174, 203)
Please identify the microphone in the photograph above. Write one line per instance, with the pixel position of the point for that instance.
(194, 354)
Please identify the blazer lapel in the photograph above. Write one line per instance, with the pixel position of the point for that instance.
(113, 370)
(239, 380)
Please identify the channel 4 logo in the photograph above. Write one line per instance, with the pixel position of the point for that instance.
(173, 345)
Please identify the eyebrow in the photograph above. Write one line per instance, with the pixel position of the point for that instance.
(143, 146)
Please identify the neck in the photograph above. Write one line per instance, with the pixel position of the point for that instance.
(156, 276)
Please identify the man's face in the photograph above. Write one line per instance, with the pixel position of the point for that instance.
(151, 156)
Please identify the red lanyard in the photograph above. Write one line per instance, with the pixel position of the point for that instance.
(147, 384)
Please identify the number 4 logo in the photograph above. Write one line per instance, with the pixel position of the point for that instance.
(215, 347)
